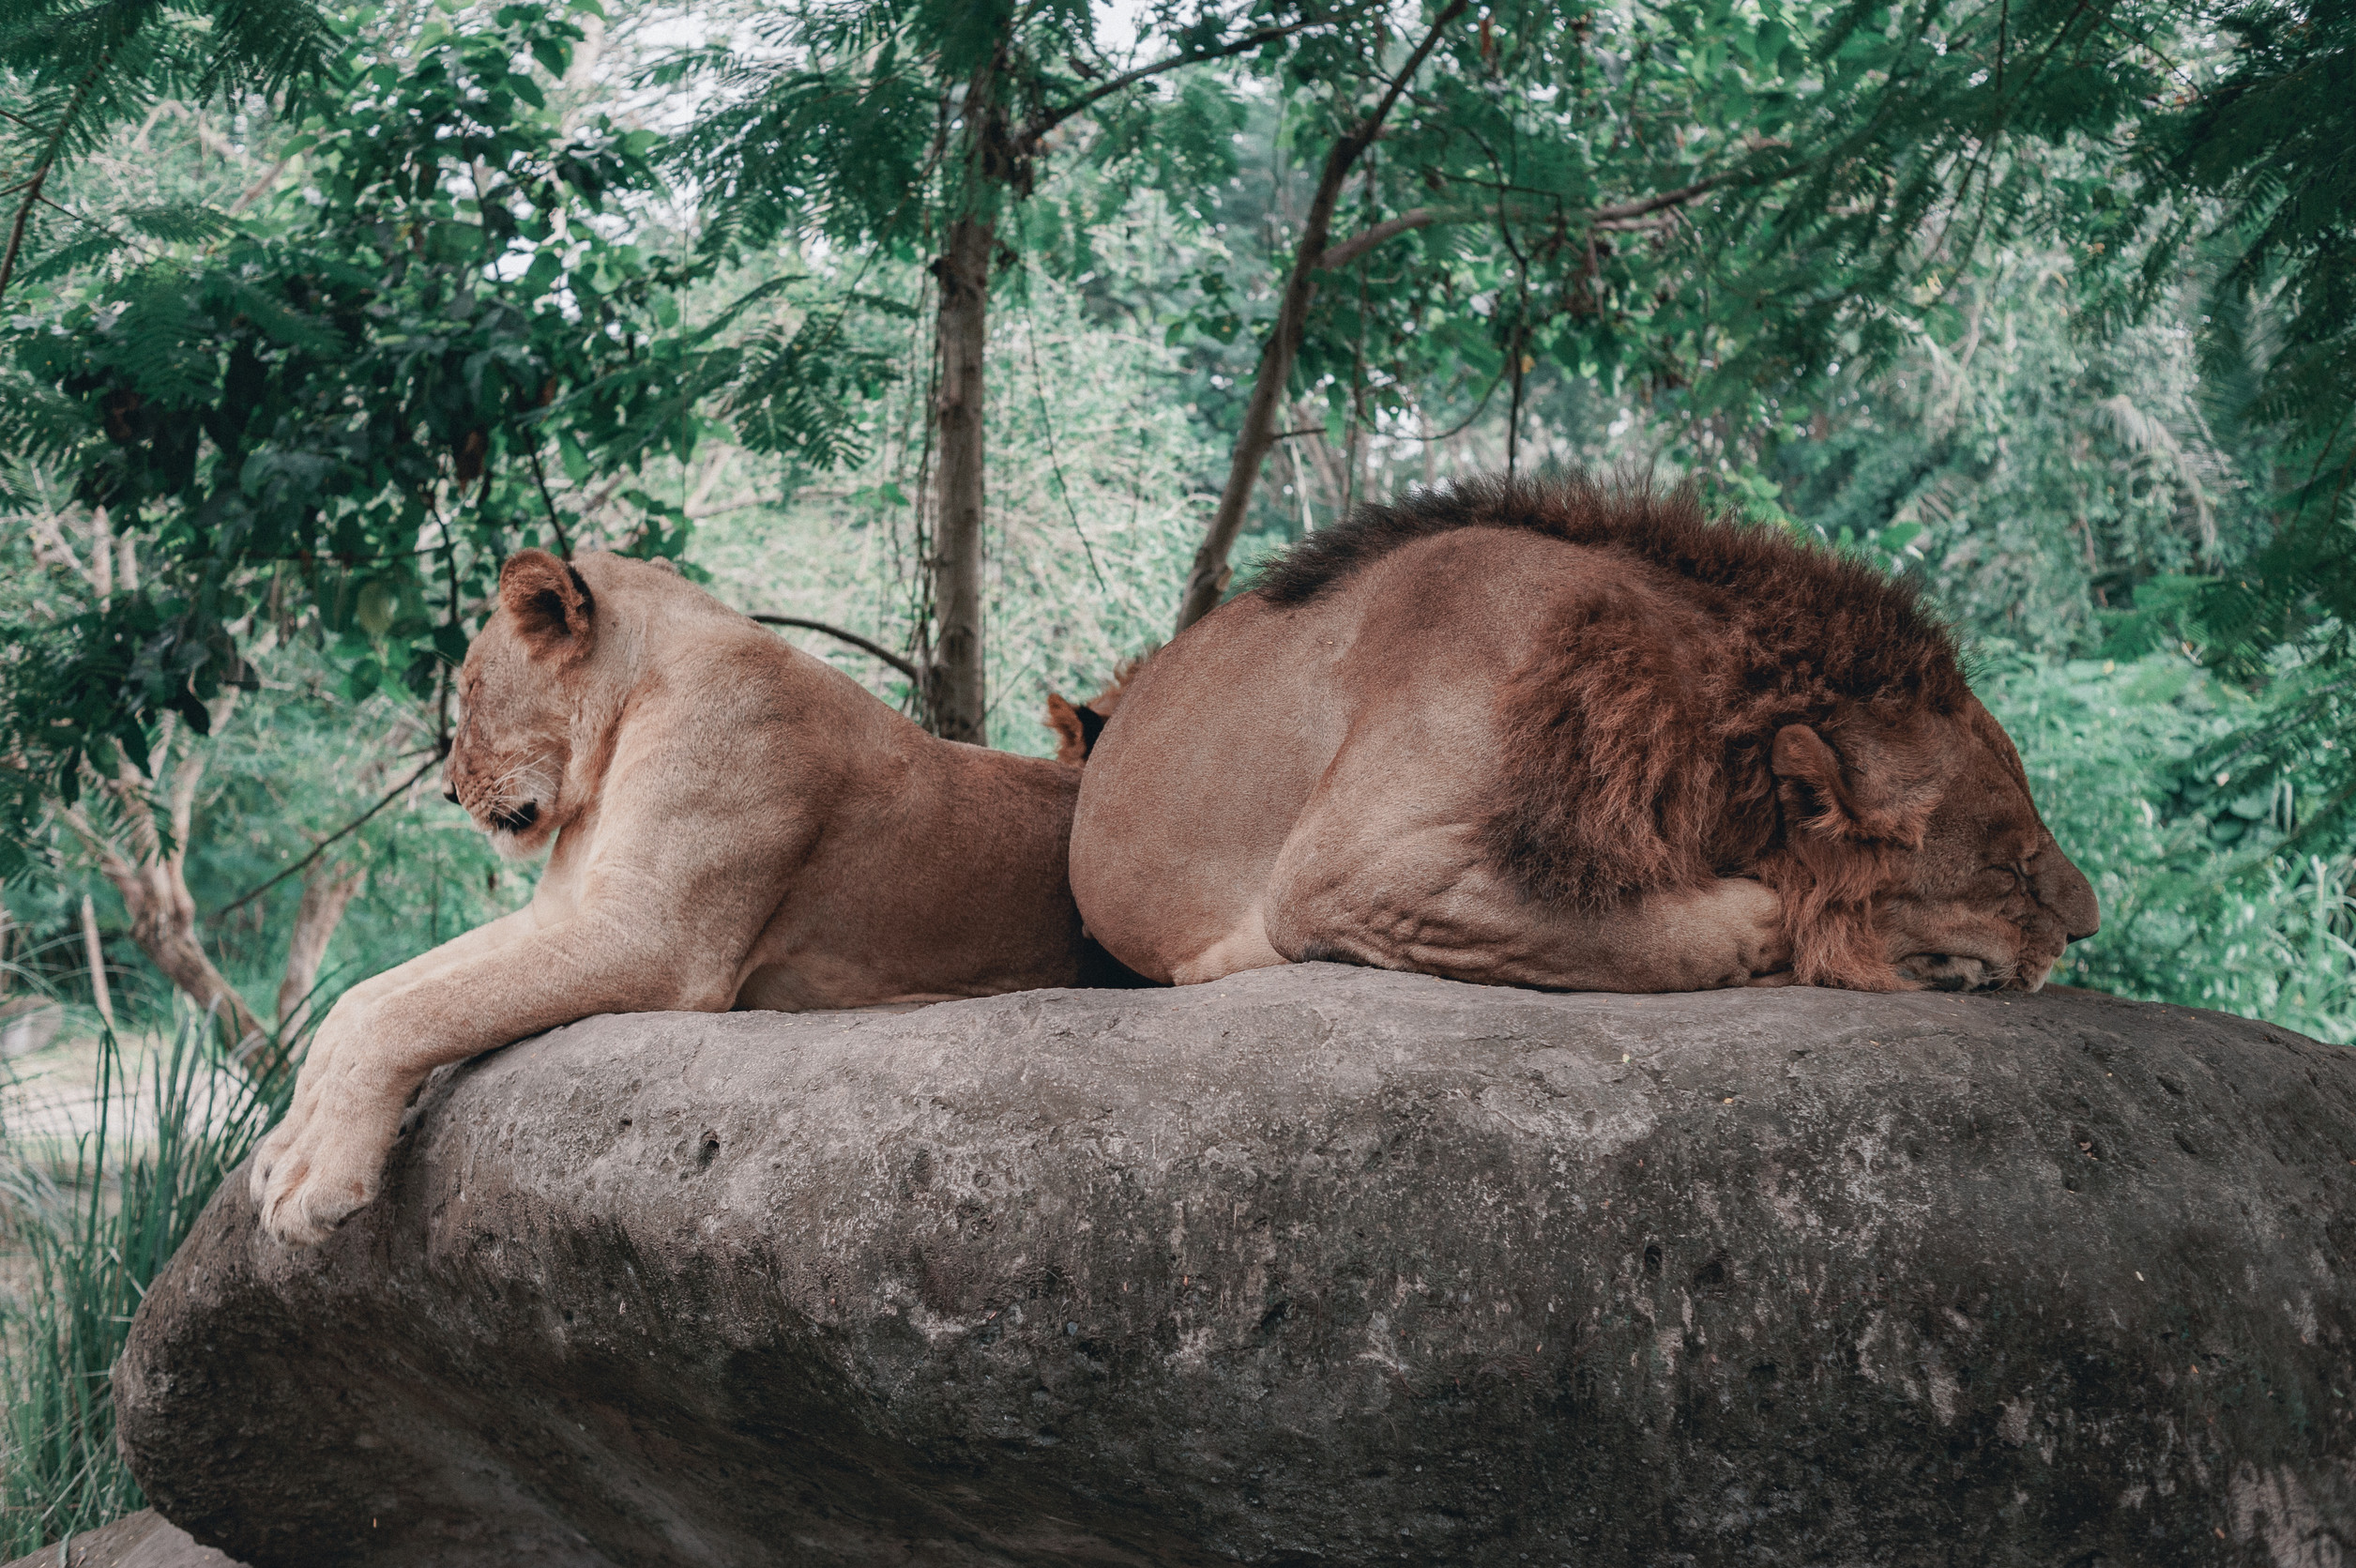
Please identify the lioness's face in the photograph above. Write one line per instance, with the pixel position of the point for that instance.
(514, 742)
(1989, 901)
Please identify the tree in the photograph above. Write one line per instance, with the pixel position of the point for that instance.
(902, 126)
(1553, 186)
(2255, 166)
(144, 850)
(1270, 382)
(2191, 144)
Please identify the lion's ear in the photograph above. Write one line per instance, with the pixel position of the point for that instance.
(1883, 793)
(549, 601)
(1808, 776)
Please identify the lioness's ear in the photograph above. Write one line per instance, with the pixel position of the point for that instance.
(1071, 738)
(550, 603)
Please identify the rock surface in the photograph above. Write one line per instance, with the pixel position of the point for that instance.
(1314, 1265)
(141, 1540)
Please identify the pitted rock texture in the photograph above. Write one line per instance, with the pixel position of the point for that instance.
(140, 1540)
(1314, 1265)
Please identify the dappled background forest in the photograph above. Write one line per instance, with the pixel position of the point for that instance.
(982, 333)
(310, 318)
(982, 345)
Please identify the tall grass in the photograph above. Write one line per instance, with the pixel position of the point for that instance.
(94, 1235)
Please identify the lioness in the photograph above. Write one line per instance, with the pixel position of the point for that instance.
(736, 824)
(1076, 726)
(1571, 738)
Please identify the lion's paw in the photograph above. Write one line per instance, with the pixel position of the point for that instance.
(1740, 926)
(1763, 951)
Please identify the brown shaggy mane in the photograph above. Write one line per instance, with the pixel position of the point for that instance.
(1637, 740)
(1867, 636)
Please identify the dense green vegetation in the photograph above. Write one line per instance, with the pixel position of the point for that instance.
(312, 316)
(980, 330)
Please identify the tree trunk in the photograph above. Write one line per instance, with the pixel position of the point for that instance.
(1209, 575)
(152, 878)
(328, 891)
(163, 923)
(955, 695)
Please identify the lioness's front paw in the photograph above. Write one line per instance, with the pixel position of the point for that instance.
(328, 1169)
(268, 1154)
(303, 1203)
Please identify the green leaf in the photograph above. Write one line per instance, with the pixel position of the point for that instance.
(537, 279)
(575, 460)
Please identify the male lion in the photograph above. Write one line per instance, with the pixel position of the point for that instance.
(736, 824)
(1568, 737)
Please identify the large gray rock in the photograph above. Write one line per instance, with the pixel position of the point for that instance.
(1314, 1265)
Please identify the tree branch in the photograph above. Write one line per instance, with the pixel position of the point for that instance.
(1368, 127)
(49, 162)
(253, 193)
(1339, 256)
(1679, 197)
(853, 638)
(110, 862)
(1046, 120)
(1620, 217)
(1209, 573)
(321, 847)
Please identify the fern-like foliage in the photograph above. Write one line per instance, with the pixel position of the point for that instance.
(2259, 169)
(78, 69)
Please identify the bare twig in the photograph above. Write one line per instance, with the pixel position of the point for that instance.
(902, 665)
(253, 193)
(352, 827)
(564, 546)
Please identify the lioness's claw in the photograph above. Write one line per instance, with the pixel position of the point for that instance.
(304, 1205)
(266, 1157)
(310, 1177)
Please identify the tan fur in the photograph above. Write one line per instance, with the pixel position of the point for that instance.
(1570, 737)
(735, 823)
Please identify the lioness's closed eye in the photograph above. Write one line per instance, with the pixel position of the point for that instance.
(729, 823)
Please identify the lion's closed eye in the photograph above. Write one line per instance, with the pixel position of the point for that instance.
(1995, 882)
